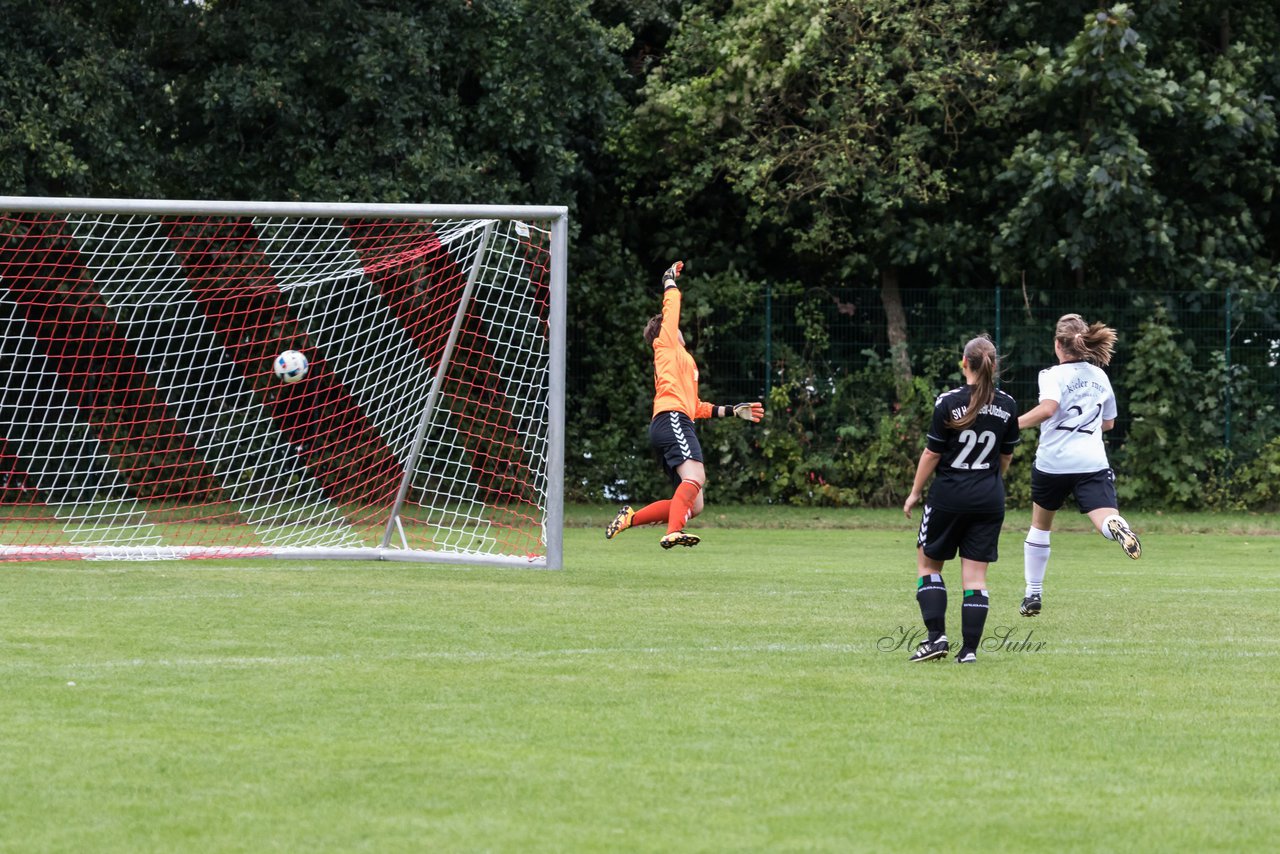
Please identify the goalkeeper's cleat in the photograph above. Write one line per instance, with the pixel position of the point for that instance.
(967, 655)
(1030, 606)
(679, 538)
(1127, 539)
(620, 523)
(931, 650)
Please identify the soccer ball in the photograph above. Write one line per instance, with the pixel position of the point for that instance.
(290, 366)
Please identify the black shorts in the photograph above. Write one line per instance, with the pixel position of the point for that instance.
(976, 536)
(671, 433)
(1092, 489)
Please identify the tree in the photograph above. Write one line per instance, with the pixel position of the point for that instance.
(82, 109)
(1128, 174)
(495, 102)
(835, 120)
(501, 101)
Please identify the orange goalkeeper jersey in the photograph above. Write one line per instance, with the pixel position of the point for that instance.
(675, 375)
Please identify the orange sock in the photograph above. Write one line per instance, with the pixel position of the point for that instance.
(658, 511)
(682, 505)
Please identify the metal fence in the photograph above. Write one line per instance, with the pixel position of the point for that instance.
(1236, 335)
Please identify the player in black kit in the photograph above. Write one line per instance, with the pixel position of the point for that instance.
(970, 445)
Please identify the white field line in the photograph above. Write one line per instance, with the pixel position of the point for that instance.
(438, 655)
(1076, 647)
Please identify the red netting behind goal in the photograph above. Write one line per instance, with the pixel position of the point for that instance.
(140, 417)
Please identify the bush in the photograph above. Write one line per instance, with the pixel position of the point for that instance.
(842, 442)
(1176, 455)
(852, 438)
(1169, 452)
(1257, 483)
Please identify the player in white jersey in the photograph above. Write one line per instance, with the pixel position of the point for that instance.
(1077, 405)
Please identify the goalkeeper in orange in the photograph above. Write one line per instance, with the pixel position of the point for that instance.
(675, 406)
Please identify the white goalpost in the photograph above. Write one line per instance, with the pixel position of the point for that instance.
(140, 417)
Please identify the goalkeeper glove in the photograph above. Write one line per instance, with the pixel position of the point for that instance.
(752, 412)
(672, 273)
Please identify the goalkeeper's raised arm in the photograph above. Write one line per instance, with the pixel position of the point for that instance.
(675, 406)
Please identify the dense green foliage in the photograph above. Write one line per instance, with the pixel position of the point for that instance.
(328, 101)
(796, 153)
(1127, 170)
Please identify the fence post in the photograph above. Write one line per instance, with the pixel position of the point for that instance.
(1226, 408)
(999, 334)
(768, 339)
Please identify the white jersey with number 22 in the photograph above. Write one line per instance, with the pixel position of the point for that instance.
(1071, 439)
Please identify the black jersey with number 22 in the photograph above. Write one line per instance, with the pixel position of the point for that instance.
(968, 475)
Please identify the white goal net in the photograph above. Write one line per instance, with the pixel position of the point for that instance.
(140, 417)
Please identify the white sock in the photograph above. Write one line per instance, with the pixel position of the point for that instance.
(1035, 559)
(1106, 528)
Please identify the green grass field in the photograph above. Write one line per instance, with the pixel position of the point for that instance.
(737, 696)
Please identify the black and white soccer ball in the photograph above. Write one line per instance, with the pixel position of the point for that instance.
(290, 366)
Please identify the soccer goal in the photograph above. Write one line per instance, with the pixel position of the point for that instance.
(140, 416)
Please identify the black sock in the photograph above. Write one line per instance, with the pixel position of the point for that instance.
(931, 593)
(973, 616)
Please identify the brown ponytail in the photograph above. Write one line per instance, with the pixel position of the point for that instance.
(653, 329)
(1084, 342)
(980, 358)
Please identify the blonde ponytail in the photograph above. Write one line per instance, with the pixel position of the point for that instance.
(1094, 343)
